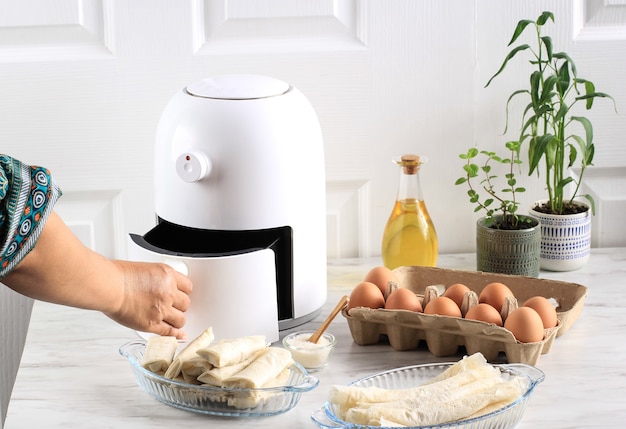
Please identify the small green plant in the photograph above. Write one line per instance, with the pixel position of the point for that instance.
(555, 88)
(500, 205)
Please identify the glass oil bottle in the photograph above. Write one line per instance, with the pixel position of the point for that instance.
(409, 238)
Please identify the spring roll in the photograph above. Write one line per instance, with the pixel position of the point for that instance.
(216, 376)
(193, 368)
(159, 353)
(252, 398)
(232, 351)
(189, 352)
(262, 370)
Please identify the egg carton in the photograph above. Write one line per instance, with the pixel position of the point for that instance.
(444, 335)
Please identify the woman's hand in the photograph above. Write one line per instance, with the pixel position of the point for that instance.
(150, 297)
(154, 298)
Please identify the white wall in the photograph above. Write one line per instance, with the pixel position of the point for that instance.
(82, 85)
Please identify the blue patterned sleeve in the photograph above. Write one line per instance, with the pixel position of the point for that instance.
(27, 195)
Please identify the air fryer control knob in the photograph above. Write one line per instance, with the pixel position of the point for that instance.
(193, 166)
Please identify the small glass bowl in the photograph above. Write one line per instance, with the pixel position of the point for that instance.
(312, 356)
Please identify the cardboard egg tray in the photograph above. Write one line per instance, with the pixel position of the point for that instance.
(443, 335)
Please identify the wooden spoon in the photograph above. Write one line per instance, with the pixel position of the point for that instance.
(317, 334)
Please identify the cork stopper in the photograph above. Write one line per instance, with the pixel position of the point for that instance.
(410, 163)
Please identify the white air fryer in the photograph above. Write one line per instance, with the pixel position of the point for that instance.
(240, 205)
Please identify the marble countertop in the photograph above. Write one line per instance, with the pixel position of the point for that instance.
(72, 375)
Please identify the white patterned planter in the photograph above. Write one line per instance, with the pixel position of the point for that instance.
(565, 240)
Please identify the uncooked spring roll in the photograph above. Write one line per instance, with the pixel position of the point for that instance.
(232, 351)
(216, 376)
(262, 370)
(189, 352)
(159, 353)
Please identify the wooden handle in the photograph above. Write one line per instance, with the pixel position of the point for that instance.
(340, 305)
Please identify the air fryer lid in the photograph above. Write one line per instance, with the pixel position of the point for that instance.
(238, 87)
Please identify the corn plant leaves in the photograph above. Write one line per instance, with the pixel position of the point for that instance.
(506, 60)
(554, 89)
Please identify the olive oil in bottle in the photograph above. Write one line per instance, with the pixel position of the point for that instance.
(409, 238)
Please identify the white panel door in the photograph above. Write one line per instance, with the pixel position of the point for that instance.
(83, 84)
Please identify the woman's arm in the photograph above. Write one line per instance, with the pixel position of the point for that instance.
(60, 269)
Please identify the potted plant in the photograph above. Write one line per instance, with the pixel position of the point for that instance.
(506, 242)
(555, 144)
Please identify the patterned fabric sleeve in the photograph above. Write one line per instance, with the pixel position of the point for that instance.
(27, 195)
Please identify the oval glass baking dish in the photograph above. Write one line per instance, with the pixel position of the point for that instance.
(412, 376)
(215, 400)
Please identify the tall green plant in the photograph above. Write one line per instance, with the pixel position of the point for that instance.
(554, 90)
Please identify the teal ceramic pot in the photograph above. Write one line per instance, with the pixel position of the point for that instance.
(514, 252)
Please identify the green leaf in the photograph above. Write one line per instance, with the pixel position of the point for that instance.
(563, 183)
(573, 154)
(547, 42)
(535, 87)
(582, 144)
(588, 156)
(561, 113)
(529, 124)
(460, 180)
(506, 60)
(586, 123)
(548, 86)
(564, 79)
(564, 57)
(538, 148)
(513, 146)
(592, 203)
(544, 17)
(551, 151)
(592, 96)
(508, 101)
(471, 170)
(519, 29)
(590, 88)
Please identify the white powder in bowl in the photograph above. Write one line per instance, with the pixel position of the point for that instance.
(309, 355)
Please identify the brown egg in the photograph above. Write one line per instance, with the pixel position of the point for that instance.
(443, 306)
(485, 313)
(544, 308)
(456, 293)
(366, 294)
(494, 295)
(403, 299)
(381, 276)
(525, 325)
